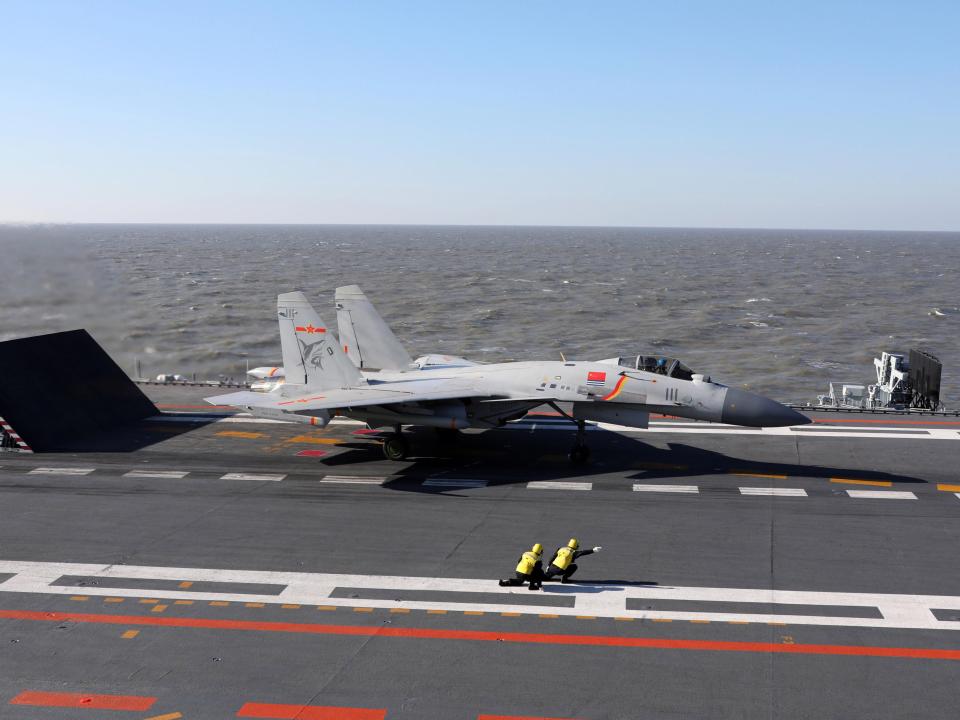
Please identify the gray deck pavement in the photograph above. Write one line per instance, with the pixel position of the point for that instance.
(533, 665)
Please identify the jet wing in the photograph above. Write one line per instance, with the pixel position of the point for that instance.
(383, 394)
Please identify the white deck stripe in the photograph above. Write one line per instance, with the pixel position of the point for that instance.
(899, 611)
(775, 492)
(161, 474)
(455, 482)
(251, 476)
(551, 485)
(61, 471)
(883, 494)
(641, 487)
(353, 480)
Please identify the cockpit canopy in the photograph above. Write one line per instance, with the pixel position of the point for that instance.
(668, 366)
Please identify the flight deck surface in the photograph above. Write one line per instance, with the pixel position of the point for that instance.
(216, 566)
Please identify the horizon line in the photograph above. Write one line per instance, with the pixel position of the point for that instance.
(33, 223)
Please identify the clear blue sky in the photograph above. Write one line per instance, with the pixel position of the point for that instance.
(743, 114)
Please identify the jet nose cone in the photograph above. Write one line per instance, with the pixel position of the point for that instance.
(746, 408)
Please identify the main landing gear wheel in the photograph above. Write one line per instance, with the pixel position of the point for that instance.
(396, 447)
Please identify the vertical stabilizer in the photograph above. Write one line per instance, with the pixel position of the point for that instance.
(312, 355)
(366, 338)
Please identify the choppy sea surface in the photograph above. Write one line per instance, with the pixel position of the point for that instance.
(782, 312)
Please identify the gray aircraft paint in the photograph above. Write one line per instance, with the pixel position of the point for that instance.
(475, 395)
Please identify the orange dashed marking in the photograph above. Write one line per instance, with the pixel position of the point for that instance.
(130, 634)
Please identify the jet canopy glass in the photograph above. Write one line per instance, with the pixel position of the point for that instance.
(668, 366)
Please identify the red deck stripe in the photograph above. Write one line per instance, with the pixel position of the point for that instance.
(82, 700)
(308, 712)
(311, 453)
(485, 636)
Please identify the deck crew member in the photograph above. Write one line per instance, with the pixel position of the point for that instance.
(563, 560)
(529, 569)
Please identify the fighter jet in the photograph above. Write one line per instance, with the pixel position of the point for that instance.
(366, 374)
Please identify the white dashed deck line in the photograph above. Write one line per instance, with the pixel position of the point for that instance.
(551, 485)
(252, 476)
(882, 494)
(455, 483)
(61, 471)
(774, 492)
(904, 611)
(353, 480)
(158, 474)
(642, 487)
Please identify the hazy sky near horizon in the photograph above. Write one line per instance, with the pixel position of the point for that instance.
(733, 114)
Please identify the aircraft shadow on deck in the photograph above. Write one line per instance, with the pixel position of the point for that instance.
(516, 457)
(125, 439)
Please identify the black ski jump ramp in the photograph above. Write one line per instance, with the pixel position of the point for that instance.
(57, 387)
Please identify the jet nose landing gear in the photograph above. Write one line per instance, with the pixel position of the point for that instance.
(580, 452)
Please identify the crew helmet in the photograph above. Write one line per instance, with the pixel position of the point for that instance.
(537, 549)
(573, 544)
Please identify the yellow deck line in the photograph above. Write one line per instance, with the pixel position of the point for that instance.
(747, 473)
(79, 598)
(241, 434)
(363, 609)
(219, 603)
(183, 602)
(854, 481)
(130, 634)
(158, 608)
(400, 610)
(168, 716)
(948, 488)
(310, 440)
(253, 605)
(326, 607)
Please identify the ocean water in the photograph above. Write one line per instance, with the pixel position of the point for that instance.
(782, 312)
